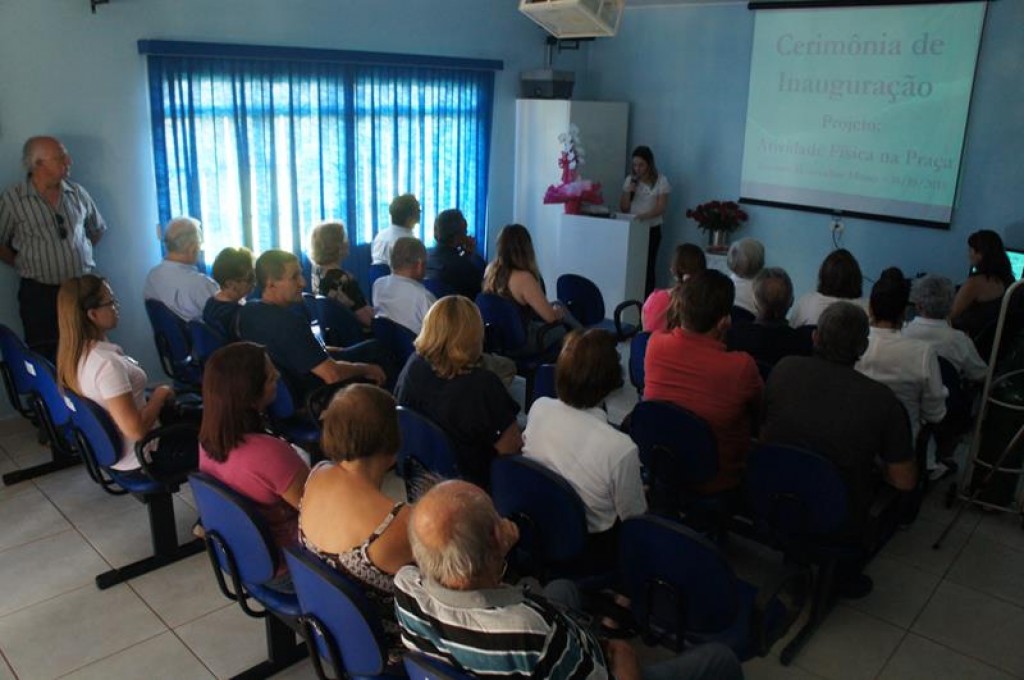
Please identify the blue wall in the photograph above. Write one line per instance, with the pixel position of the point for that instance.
(685, 70)
(67, 72)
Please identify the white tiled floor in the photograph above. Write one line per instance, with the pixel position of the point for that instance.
(956, 613)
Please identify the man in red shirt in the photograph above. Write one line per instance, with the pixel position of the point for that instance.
(690, 367)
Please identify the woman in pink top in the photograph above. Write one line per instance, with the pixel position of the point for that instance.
(239, 382)
(687, 261)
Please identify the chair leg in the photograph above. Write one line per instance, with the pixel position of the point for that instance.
(58, 463)
(164, 535)
(821, 604)
(282, 651)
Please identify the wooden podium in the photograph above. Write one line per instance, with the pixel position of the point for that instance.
(610, 251)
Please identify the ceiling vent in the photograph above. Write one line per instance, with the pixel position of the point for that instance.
(568, 19)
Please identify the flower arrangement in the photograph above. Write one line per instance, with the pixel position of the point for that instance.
(574, 191)
(715, 216)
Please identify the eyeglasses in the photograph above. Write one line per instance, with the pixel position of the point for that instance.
(62, 231)
(112, 302)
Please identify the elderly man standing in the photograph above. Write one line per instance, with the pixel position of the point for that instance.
(455, 607)
(48, 227)
(176, 281)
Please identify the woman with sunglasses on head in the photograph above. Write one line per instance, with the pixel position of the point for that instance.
(91, 366)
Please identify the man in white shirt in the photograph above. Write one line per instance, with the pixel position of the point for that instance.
(176, 281)
(401, 296)
(405, 214)
(933, 298)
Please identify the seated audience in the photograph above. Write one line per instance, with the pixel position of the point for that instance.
(687, 261)
(176, 281)
(91, 366)
(571, 435)
(239, 382)
(446, 382)
(328, 249)
(933, 298)
(454, 260)
(405, 214)
(770, 337)
(453, 605)
(909, 367)
(745, 260)
(690, 367)
(824, 405)
(514, 275)
(345, 518)
(233, 271)
(401, 296)
(977, 303)
(274, 323)
(839, 278)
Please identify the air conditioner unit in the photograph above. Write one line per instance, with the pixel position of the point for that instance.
(568, 19)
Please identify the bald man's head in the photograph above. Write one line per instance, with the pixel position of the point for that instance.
(453, 534)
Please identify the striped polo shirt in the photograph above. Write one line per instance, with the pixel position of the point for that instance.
(30, 226)
(504, 632)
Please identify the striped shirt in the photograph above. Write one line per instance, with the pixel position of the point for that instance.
(32, 227)
(504, 632)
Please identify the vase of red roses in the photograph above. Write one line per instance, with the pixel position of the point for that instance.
(719, 219)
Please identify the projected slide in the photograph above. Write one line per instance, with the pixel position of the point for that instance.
(861, 109)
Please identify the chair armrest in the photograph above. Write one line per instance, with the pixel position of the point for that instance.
(182, 428)
(617, 317)
(794, 581)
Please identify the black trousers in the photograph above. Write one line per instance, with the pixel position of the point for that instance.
(652, 260)
(37, 304)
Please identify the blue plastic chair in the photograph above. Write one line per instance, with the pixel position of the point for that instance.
(423, 667)
(583, 298)
(205, 341)
(682, 591)
(637, 353)
(245, 563)
(438, 288)
(426, 452)
(99, 442)
(340, 326)
(287, 421)
(17, 380)
(543, 383)
(173, 345)
(395, 337)
(52, 415)
(375, 272)
(338, 622)
(678, 451)
(504, 334)
(551, 517)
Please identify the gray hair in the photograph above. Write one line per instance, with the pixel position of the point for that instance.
(182, 233)
(773, 292)
(746, 257)
(933, 296)
(32, 150)
(465, 546)
(407, 252)
(842, 335)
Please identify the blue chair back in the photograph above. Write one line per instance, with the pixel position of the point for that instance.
(17, 380)
(423, 667)
(205, 340)
(637, 352)
(676, 580)
(340, 326)
(102, 443)
(794, 492)
(236, 533)
(677, 448)
(438, 288)
(426, 448)
(44, 379)
(173, 345)
(582, 297)
(395, 337)
(339, 623)
(503, 327)
(375, 272)
(551, 517)
(544, 382)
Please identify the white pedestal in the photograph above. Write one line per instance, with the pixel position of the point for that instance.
(611, 252)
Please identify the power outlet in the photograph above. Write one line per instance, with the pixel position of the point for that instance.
(837, 225)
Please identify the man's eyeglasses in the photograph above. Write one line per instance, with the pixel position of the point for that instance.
(62, 231)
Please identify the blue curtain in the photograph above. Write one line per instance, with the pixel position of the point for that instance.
(262, 149)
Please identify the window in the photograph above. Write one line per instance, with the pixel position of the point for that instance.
(262, 143)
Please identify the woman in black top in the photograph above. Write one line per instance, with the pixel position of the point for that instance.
(328, 248)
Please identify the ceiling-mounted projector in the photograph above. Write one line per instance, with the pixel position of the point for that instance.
(568, 19)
